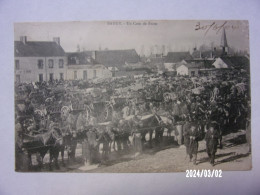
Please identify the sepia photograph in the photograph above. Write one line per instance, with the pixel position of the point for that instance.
(132, 96)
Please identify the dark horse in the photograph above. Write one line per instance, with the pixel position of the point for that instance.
(70, 141)
(42, 143)
(149, 125)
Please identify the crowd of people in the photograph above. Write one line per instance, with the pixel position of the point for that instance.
(203, 107)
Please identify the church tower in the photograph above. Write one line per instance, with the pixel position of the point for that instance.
(224, 43)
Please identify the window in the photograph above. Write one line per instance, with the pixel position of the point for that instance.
(17, 64)
(50, 63)
(40, 77)
(17, 78)
(85, 75)
(61, 76)
(51, 76)
(61, 62)
(75, 75)
(94, 73)
(40, 64)
(192, 73)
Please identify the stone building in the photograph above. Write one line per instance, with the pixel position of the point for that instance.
(39, 60)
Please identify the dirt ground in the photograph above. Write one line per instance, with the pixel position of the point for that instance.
(166, 158)
(233, 156)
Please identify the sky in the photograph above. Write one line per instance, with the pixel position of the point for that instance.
(178, 35)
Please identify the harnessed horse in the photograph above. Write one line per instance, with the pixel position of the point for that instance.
(40, 144)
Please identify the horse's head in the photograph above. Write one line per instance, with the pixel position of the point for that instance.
(56, 134)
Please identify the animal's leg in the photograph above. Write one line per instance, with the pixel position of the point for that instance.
(29, 161)
(220, 142)
(56, 159)
(168, 133)
(213, 158)
(113, 145)
(40, 160)
(62, 154)
(51, 158)
(150, 137)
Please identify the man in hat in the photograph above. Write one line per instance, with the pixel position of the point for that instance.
(212, 137)
(124, 134)
(81, 121)
(176, 112)
(137, 136)
(73, 141)
(194, 135)
(105, 139)
(91, 145)
(126, 111)
(18, 146)
(184, 109)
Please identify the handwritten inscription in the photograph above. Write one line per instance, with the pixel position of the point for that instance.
(214, 26)
(132, 23)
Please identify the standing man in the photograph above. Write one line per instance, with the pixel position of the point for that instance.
(194, 135)
(212, 137)
(90, 146)
(73, 141)
(19, 153)
(184, 109)
(104, 138)
(137, 136)
(126, 111)
(186, 137)
(81, 121)
(176, 112)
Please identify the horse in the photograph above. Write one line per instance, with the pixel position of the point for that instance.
(42, 143)
(70, 141)
(152, 123)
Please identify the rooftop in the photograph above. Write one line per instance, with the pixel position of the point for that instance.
(173, 57)
(117, 57)
(37, 49)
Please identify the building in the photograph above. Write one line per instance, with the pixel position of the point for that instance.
(173, 58)
(82, 66)
(233, 62)
(222, 63)
(203, 63)
(213, 53)
(188, 69)
(39, 60)
(223, 43)
(118, 58)
(157, 61)
(210, 54)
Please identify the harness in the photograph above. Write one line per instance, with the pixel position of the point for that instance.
(159, 119)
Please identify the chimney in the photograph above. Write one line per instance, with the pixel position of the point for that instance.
(23, 39)
(94, 53)
(56, 40)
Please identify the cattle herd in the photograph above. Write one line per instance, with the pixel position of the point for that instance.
(93, 120)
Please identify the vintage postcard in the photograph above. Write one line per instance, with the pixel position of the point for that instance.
(132, 96)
